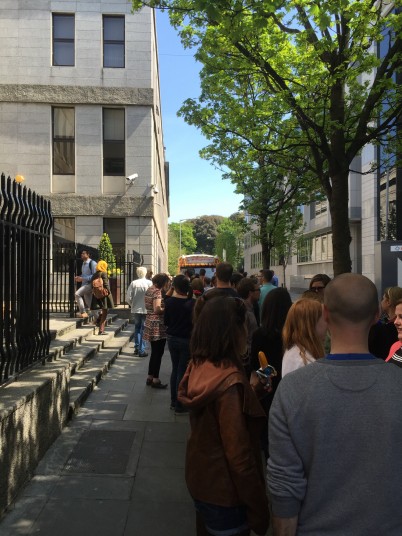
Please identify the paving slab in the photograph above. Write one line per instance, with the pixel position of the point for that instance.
(116, 469)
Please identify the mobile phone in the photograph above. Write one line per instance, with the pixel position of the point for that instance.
(267, 372)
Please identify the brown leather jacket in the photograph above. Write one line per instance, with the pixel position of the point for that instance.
(223, 458)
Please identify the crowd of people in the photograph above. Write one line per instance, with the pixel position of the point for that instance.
(326, 418)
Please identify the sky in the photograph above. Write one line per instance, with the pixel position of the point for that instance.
(196, 187)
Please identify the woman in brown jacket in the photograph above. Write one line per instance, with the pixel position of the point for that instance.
(224, 472)
(102, 303)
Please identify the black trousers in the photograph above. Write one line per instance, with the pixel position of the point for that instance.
(157, 349)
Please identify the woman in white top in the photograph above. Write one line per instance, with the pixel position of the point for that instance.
(303, 335)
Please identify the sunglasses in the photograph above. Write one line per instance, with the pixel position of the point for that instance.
(317, 289)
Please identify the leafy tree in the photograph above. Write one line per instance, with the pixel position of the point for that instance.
(317, 64)
(106, 252)
(188, 243)
(205, 231)
(230, 237)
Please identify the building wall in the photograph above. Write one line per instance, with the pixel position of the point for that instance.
(31, 86)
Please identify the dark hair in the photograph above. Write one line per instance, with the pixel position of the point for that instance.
(189, 272)
(236, 278)
(245, 286)
(207, 296)
(224, 271)
(181, 284)
(274, 310)
(322, 278)
(160, 280)
(202, 271)
(85, 251)
(220, 334)
(207, 280)
(267, 275)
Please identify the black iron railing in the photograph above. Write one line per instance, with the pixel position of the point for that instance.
(66, 264)
(25, 225)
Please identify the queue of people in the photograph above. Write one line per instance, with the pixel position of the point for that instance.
(328, 407)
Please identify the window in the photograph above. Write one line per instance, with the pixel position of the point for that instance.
(64, 230)
(116, 229)
(113, 142)
(63, 141)
(63, 40)
(113, 41)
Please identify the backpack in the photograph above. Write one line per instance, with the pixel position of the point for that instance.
(98, 290)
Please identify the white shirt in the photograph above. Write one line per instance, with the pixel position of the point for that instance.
(135, 295)
(292, 360)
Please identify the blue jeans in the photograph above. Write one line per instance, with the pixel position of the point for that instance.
(139, 343)
(180, 355)
(223, 520)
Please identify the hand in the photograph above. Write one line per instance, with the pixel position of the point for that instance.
(260, 386)
(78, 278)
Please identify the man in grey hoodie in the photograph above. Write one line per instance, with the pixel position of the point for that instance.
(335, 430)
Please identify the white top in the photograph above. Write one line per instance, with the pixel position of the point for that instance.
(136, 293)
(292, 360)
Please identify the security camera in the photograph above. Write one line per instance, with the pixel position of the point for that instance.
(131, 178)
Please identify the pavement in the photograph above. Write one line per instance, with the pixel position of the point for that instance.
(117, 469)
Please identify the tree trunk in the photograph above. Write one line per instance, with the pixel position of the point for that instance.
(266, 252)
(339, 209)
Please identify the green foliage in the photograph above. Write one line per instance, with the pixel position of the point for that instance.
(106, 253)
(205, 231)
(304, 66)
(188, 243)
(230, 238)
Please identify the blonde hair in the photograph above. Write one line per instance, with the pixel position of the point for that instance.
(300, 328)
(101, 266)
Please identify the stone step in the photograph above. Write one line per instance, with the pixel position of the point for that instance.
(85, 378)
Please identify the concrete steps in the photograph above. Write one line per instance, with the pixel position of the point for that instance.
(41, 400)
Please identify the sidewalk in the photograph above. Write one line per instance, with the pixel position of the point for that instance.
(117, 469)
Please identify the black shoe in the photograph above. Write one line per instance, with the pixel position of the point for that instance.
(142, 354)
(159, 385)
(136, 352)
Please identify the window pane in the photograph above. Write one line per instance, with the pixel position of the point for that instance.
(113, 158)
(63, 157)
(63, 53)
(113, 55)
(63, 39)
(63, 119)
(63, 26)
(113, 28)
(113, 124)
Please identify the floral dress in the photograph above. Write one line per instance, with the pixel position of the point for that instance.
(154, 328)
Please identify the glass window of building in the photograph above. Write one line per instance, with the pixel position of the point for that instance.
(116, 229)
(113, 41)
(63, 39)
(113, 141)
(63, 123)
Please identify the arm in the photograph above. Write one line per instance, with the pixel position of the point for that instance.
(241, 457)
(106, 281)
(287, 482)
(284, 526)
(129, 294)
(158, 309)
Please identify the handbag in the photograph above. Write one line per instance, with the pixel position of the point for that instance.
(98, 290)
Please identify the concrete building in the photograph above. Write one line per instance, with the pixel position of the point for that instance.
(79, 112)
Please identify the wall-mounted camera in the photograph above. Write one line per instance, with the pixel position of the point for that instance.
(131, 178)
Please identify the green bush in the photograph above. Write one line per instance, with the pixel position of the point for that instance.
(106, 253)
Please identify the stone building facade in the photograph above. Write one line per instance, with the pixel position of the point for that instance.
(79, 112)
